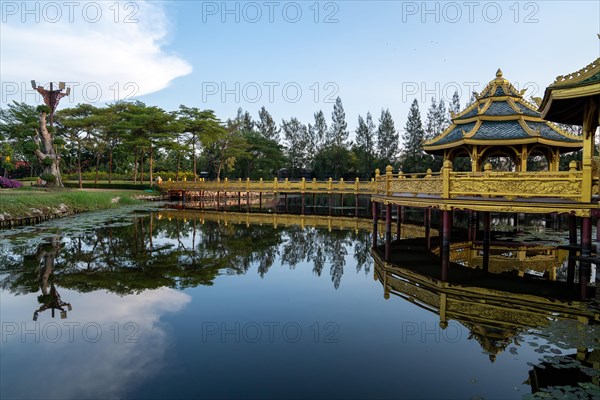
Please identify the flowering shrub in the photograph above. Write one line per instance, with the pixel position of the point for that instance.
(9, 183)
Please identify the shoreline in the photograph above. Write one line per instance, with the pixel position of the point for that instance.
(31, 207)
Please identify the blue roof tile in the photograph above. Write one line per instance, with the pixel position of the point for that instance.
(500, 130)
(457, 133)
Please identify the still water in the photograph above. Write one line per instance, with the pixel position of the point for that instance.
(153, 303)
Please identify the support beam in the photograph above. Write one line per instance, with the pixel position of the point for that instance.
(427, 223)
(388, 232)
(445, 247)
(472, 226)
(572, 251)
(375, 219)
(486, 239)
(586, 251)
(398, 222)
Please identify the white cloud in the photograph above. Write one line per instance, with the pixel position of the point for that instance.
(121, 359)
(89, 46)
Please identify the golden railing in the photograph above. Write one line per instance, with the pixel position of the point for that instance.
(275, 186)
(448, 184)
(289, 220)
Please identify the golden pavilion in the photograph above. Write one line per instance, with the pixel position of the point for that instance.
(501, 123)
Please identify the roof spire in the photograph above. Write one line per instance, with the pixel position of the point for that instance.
(499, 73)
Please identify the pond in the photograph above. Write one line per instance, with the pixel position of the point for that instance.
(153, 303)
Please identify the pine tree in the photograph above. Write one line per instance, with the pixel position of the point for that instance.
(431, 121)
(339, 127)
(442, 115)
(437, 119)
(365, 145)
(387, 139)
(318, 132)
(296, 136)
(472, 99)
(245, 122)
(455, 104)
(412, 155)
(266, 126)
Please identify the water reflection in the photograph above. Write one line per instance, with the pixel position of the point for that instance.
(179, 250)
(499, 320)
(172, 272)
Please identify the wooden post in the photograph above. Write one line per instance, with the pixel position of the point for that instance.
(356, 205)
(388, 232)
(586, 251)
(427, 223)
(572, 251)
(303, 201)
(375, 219)
(259, 201)
(445, 247)
(486, 240)
(472, 226)
(388, 180)
(285, 201)
(398, 222)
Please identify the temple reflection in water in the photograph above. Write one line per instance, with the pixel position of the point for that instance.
(525, 288)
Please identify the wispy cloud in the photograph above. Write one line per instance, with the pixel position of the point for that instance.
(105, 51)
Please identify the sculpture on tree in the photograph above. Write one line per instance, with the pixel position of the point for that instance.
(46, 152)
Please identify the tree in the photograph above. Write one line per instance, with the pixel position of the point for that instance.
(150, 128)
(225, 147)
(472, 99)
(18, 123)
(412, 154)
(262, 157)
(296, 136)
(365, 145)
(246, 124)
(454, 105)
(46, 152)
(266, 126)
(387, 139)
(78, 125)
(339, 127)
(200, 126)
(437, 120)
(318, 132)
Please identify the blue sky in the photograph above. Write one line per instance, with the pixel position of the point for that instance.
(293, 57)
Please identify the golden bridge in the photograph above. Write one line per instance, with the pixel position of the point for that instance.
(499, 123)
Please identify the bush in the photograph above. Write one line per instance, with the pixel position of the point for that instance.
(166, 175)
(9, 183)
(105, 185)
(48, 178)
(102, 176)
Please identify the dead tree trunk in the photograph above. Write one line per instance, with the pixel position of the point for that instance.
(46, 153)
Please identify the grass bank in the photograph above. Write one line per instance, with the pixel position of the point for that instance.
(31, 205)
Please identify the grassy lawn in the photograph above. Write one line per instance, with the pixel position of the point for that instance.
(28, 201)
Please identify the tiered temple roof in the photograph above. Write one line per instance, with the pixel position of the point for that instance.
(500, 116)
(565, 99)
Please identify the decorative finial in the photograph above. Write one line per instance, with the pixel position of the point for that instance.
(499, 73)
